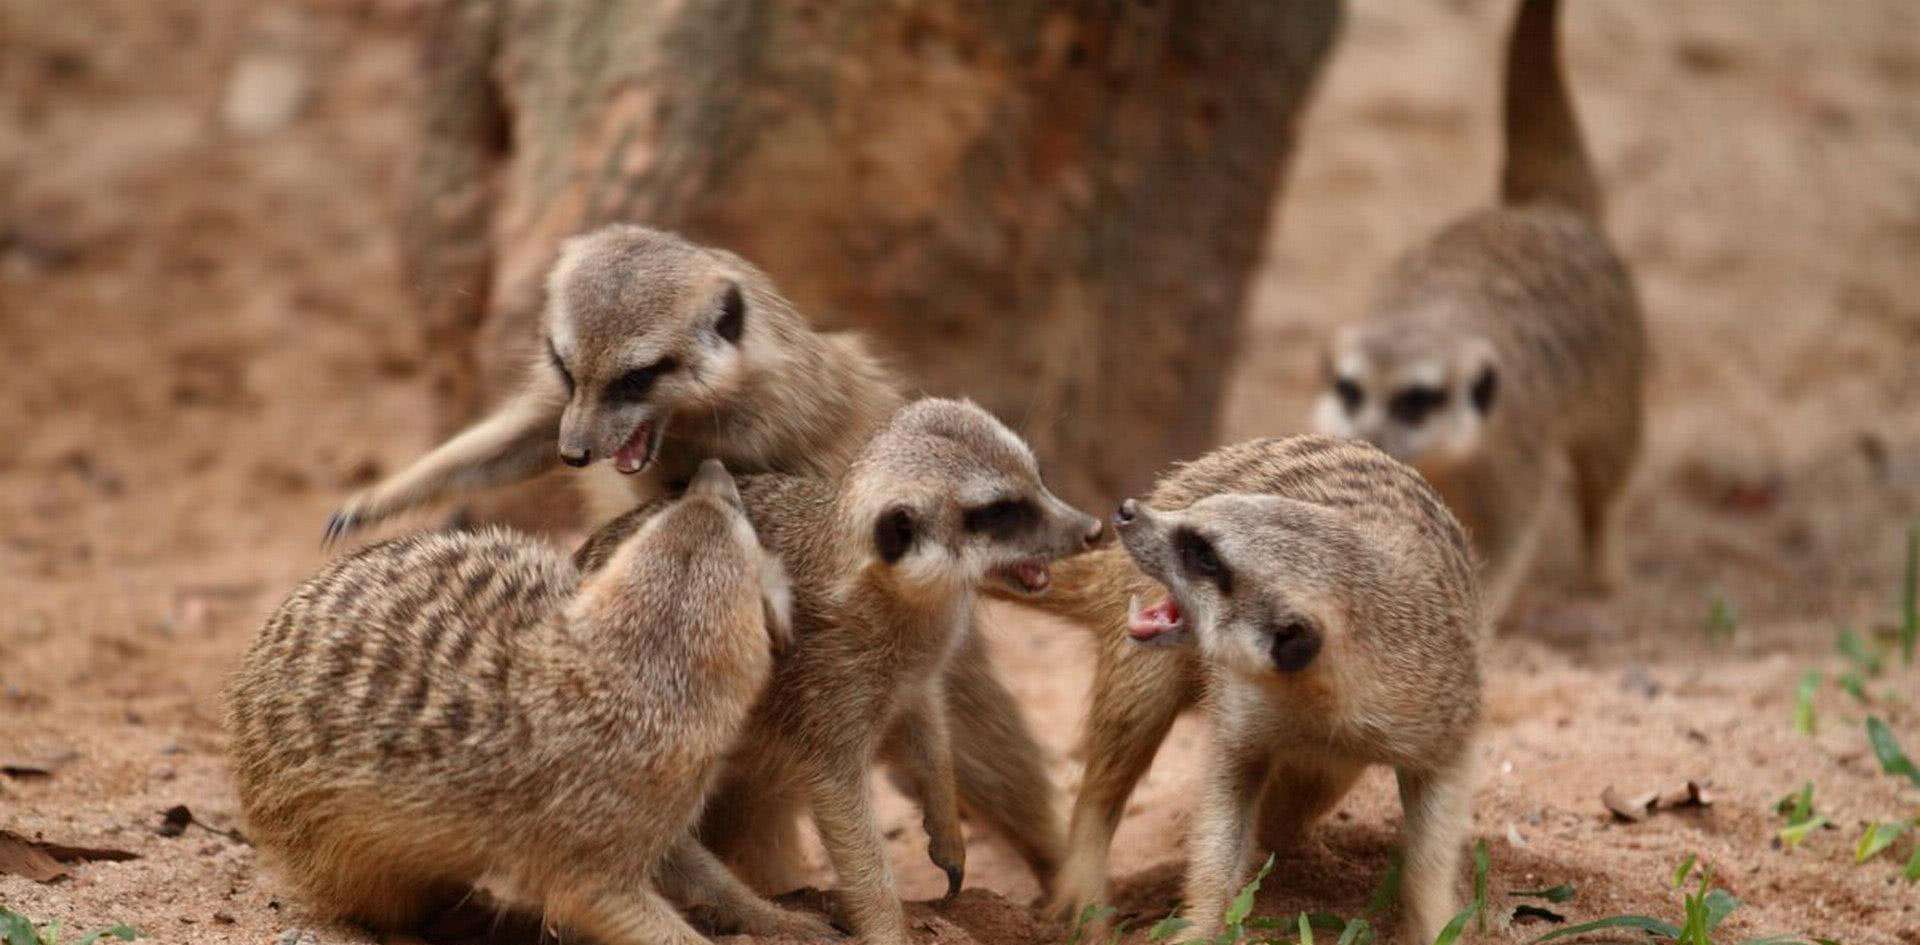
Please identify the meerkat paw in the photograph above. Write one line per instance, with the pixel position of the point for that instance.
(788, 923)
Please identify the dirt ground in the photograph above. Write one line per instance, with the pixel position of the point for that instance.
(201, 311)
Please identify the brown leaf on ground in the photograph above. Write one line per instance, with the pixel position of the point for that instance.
(44, 862)
(1630, 810)
(1691, 794)
(25, 770)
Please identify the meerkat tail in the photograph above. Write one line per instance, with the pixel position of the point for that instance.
(1546, 157)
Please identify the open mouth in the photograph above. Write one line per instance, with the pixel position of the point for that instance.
(638, 451)
(1159, 623)
(1027, 577)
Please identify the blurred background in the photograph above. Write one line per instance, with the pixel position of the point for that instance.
(256, 254)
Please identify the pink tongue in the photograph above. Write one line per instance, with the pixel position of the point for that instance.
(1033, 577)
(1152, 621)
(629, 457)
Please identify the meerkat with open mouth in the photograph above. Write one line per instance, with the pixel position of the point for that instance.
(884, 563)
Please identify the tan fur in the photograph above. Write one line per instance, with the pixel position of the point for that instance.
(876, 634)
(1529, 304)
(440, 711)
(1397, 683)
(784, 399)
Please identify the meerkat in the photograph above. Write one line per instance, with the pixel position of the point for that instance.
(1335, 614)
(884, 562)
(1512, 338)
(412, 715)
(658, 353)
(1410, 667)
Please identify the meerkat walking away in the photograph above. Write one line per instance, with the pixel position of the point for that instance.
(1511, 339)
(659, 353)
(1335, 613)
(411, 716)
(884, 563)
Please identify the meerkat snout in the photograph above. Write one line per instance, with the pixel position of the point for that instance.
(1249, 578)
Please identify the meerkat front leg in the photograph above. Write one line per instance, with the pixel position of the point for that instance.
(1436, 817)
(691, 875)
(514, 444)
(920, 750)
(843, 812)
(1000, 769)
(1222, 837)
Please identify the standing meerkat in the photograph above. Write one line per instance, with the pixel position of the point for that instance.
(409, 717)
(1335, 613)
(884, 563)
(1371, 595)
(658, 353)
(1510, 339)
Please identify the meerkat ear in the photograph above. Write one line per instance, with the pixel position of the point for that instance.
(894, 533)
(1484, 388)
(733, 315)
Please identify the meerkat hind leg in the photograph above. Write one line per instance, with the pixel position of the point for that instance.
(691, 875)
(1602, 466)
(634, 915)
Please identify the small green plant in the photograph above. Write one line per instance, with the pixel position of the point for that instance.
(1804, 719)
(1722, 620)
(1088, 916)
(1797, 808)
(1885, 747)
(1702, 911)
(1475, 910)
(1555, 894)
(16, 929)
(1878, 837)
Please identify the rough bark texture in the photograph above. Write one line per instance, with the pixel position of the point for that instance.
(1053, 208)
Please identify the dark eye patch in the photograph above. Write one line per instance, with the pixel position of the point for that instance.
(1199, 559)
(733, 315)
(632, 387)
(1350, 394)
(560, 365)
(1412, 404)
(1003, 518)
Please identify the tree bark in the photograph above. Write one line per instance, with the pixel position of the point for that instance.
(1053, 208)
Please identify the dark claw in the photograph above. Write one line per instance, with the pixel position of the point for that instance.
(338, 524)
(955, 876)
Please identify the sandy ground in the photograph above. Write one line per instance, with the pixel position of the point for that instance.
(198, 290)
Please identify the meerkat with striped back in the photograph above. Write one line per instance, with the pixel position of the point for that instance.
(1511, 339)
(657, 353)
(412, 715)
(885, 562)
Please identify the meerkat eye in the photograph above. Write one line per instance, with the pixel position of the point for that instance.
(1484, 387)
(633, 386)
(560, 365)
(1412, 404)
(1199, 558)
(1350, 394)
(1001, 519)
(733, 315)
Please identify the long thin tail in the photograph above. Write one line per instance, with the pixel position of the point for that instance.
(1546, 158)
(1089, 589)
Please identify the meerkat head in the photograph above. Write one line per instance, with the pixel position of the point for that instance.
(947, 497)
(698, 547)
(1254, 580)
(1421, 396)
(641, 324)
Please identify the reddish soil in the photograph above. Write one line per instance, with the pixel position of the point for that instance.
(203, 309)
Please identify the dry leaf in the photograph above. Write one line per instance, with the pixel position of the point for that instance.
(25, 770)
(43, 862)
(1629, 809)
(1691, 794)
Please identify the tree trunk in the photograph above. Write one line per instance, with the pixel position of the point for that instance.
(1053, 208)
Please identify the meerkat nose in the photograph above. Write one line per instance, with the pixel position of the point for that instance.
(1126, 513)
(580, 458)
(1096, 531)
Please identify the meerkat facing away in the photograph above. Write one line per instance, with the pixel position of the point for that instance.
(884, 564)
(1335, 613)
(1510, 339)
(658, 353)
(409, 717)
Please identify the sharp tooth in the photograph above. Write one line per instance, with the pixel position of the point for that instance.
(1133, 608)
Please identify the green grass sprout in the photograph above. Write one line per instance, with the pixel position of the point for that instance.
(1887, 749)
(1804, 719)
(1722, 620)
(1878, 837)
